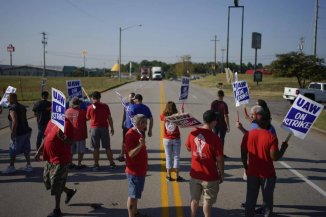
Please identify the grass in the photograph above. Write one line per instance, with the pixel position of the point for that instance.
(29, 88)
(271, 88)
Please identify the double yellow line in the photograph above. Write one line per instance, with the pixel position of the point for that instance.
(164, 184)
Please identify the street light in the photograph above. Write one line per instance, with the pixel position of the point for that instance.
(84, 52)
(236, 5)
(120, 30)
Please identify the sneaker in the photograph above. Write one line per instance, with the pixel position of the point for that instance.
(28, 168)
(259, 211)
(10, 169)
(169, 179)
(244, 177)
(55, 213)
(79, 167)
(180, 179)
(71, 166)
(112, 166)
(225, 157)
(138, 214)
(96, 168)
(120, 159)
(70, 194)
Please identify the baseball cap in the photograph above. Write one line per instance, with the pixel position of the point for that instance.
(210, 116)
(139, 97)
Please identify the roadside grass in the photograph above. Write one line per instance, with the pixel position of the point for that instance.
(29, 88)
(270, 88)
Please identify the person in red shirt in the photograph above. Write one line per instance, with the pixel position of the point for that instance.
(57, 154)
(207, 164)
(223, 126)
(100, 116)
(259, 148)
(136, 163)
(172, 142)
(77, 118)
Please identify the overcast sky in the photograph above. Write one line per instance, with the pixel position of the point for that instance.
(170, 29)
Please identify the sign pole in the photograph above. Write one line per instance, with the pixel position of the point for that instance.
(288, 137)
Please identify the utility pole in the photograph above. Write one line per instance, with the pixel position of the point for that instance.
(215, 40)
(223, 50)
(44, 42)
(316, 27)
(84, 52)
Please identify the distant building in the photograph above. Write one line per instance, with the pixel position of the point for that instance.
(264, 72)
(31, 71)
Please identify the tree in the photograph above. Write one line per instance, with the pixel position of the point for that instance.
(185, 67)
(303, 67)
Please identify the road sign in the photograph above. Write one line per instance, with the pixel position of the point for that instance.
(10, 48)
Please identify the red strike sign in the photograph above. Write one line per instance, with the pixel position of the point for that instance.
(11, 48)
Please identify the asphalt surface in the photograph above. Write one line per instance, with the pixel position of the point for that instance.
(299, 191)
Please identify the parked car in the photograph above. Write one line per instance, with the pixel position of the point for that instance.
(315, 91)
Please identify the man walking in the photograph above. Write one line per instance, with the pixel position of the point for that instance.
(77, 118)
(259, 148)
(42, 112)
(20, 134)
(100, 116)
(207, 164)
(223, 125)
(140, 108)
(126, 123)
(56, 148)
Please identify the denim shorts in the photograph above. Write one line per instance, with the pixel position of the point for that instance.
(135, 186)
(20, 144)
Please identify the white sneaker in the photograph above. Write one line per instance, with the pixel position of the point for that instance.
(244, 177)
(10, 169)
(28, 168)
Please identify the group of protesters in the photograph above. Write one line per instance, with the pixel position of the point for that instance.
(259, 148)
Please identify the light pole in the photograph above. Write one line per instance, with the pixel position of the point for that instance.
(84, 52)
(44, 42)
(120, 30)
(215, 40)
(236, 5)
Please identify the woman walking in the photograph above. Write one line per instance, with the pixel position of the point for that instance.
(172, 142)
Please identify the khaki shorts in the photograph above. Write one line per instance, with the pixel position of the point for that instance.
(209, 190)
(55, 177)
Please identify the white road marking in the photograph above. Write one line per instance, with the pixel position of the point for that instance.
(313, 185)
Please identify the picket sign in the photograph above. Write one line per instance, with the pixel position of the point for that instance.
(240, 92)
(58, 109)
(184, 91)
(4, 101)
(74, 88)
(183, 120)
(301, 116)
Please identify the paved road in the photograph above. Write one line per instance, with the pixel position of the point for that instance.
(300, 192)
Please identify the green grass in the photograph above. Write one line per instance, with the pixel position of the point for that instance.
(271, 88)
(29, 88)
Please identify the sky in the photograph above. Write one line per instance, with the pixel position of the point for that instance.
(170, 29)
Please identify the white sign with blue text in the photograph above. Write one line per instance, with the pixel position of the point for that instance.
(184, 89)
(58, 108)
(4, 101)
(74, 88)
(301, 116)
(240, 92)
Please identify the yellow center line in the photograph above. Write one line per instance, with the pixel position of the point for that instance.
(164, 185)
(175, 185)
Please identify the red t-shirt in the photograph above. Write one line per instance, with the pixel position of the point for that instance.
(205, 147)
(98, 115)
(259, 143)
(222, 108)
(171, 131)
(55, 151)
(138, 165)
(77, 118)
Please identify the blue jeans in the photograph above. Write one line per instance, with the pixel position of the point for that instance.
(267, 187)
(172, 152)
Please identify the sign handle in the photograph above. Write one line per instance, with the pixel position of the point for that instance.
(86, 94)
(182, 108)
(288, 137)
(238, 115)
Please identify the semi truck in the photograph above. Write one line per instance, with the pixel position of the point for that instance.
(157, 73)
(144, 73)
